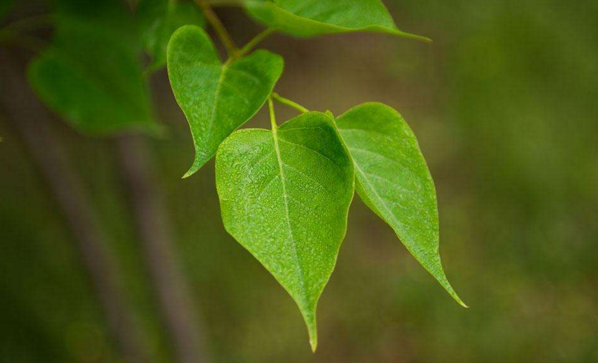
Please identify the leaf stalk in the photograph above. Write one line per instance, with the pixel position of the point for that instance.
(255, 41)
(226, 3)
(24, 41)
(287, 102)
(227, 40)
(272, 114)
(31, 23)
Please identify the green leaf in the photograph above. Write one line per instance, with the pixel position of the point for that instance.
(159, 19)
(111, 17)
(93, 78)
(5, 6)
(394, 181)
(308, 18)
(285, 196)
(217, 98)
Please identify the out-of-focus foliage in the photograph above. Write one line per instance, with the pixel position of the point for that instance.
(504, 107)
(5, 6)
(111, 17)
(159, 19)
(92, 73)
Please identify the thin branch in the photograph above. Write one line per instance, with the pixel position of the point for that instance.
(33, 124)
(287, 102)
(226, 3)
(255, 41)
(30, 23)
(272, 114)
(24, 41)
(175, 299)
(223, 34)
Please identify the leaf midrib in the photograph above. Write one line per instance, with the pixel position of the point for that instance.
(288, 218)
(223, 70)
(388, 210)
(389, 214)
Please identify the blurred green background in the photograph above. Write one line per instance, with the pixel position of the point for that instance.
(505, 105)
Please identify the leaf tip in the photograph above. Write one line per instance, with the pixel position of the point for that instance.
(421, 38)
(198, 163)
(312, 329)
(313, 336)
(447, 286)
(314, 344)
(438, 273)
(443, 281)
(460, 302)
(190, 172)
(426, 40)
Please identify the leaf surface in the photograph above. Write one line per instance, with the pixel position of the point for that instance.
(308, 18)
(217, 98)
(285, 196)
(394, 181)
(159, 19)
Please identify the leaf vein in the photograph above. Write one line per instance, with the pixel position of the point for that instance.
(215, 108)
(376, 154)
(382, 201)
(308, 177)
(288, 219)
(311, 150)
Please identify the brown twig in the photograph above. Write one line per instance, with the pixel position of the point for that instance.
(215, 22)
(32, 123)
(169, 283)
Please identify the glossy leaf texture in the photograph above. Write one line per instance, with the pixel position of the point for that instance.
(217, 98)
(394, 181)
(285, 196)
(159, 19)
(308, 18)
(92, 76)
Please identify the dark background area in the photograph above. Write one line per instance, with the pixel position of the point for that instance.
(504, 103)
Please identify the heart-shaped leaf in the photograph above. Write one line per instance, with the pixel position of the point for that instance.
(394, 181)
(307, 18)
(285, 196)
(159, 19)
(217, 98)
(93, 78)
